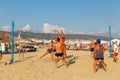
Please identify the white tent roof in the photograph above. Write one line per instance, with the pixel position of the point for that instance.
(115, 40)
(85, 42)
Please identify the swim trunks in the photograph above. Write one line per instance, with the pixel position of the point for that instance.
(49, 50)
(21, 51)
(92, 49)
(99, 58)
(0, 52)
(59, 54)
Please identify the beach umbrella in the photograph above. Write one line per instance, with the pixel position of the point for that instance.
(5, 37)
(24, 42)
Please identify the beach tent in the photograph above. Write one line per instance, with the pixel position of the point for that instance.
(3, 47)
(85, 42)
(114, 40)
(6, 38)
(104, 42)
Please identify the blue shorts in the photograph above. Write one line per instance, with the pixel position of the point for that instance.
(0, 52)
(21, 51)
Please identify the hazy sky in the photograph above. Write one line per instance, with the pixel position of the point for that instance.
(70, 15)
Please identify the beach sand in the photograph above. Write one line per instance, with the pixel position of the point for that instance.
(80, 67)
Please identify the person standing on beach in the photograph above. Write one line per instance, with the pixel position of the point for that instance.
(59, 52)
(21, 51)
(115, 52)
(98, 55)
(92, 43)
(62, 41)
(1, 50)
(49, 50)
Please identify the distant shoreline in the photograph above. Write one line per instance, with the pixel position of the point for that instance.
(47, 36)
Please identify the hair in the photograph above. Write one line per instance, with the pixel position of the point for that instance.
(99, 41)
(63, 37)
(58, 39)
(95, 43)
(0, 38)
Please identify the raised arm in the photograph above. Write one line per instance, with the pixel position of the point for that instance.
(57, 33)
(62, 33)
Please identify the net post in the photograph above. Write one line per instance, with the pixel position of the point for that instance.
(12, 46)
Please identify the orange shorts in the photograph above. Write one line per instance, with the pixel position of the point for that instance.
(115, 54)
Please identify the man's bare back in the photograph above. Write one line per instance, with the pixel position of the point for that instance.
(59, 47)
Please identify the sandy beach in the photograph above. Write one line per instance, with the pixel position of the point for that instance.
(80, 67)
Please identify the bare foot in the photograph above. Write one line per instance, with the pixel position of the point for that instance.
(95, 71)
(105, 70)
(40, 57)
(66, 65)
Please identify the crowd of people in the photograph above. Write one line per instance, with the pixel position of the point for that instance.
(57, 49)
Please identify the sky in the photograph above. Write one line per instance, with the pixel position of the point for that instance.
(69, 15)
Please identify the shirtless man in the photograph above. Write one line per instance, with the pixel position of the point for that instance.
(49, 50)
(62, 40)
(98, 55)
(21, 51)
(59, 52)
(92, 47)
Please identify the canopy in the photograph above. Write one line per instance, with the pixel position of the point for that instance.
(5, 37)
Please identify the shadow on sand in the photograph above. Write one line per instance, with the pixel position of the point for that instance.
(72, 60)
(30, 57)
